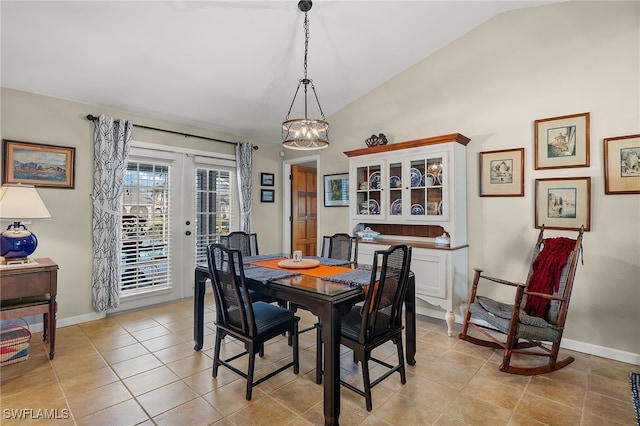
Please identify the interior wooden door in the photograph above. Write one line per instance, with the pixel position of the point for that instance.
(304, 214)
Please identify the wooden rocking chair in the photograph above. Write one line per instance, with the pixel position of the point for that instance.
(528, 333)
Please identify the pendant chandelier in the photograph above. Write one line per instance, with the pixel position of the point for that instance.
(305, 133)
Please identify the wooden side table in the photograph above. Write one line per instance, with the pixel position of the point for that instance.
(29, 290)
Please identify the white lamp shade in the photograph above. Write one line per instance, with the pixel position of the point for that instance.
(21, 202)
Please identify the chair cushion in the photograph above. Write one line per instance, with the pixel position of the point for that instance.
(495, 314)
(504, 310)
(269, 316)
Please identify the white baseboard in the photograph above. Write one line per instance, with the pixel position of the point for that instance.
(64, 322)
(601, 351)
(574, 345)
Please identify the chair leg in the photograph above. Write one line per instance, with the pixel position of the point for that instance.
(216, 352)
(401, 369)
(366, 382)
(252, 366)
(296, 352)
(506, 359)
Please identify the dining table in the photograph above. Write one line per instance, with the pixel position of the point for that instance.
(326, 296)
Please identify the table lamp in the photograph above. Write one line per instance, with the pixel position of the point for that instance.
(19, 202)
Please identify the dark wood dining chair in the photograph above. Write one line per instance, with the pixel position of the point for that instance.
(379, 320)
(247, 243)
(340, 246)
(534, 323)
(252, 323)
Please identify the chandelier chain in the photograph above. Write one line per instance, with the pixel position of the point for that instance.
(306, 43)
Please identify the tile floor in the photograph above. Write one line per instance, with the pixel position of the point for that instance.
(140, 368)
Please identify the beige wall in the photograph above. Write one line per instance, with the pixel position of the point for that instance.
(490, 85)
(68, 237)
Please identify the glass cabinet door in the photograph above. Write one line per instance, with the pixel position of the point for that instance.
(395, 189)
(369, 191)
(426, 183)
(434, 186)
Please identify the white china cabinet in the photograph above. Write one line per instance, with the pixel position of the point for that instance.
(412, 192)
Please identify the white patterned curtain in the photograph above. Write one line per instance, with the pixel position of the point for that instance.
(111, 141)
(244, 158)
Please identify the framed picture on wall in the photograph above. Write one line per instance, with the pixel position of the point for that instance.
(562, 142)
(622, 165)
(563, 203)
(502, 173)
(39, 165)
(267, 195)
(336, 190)
(266, 179)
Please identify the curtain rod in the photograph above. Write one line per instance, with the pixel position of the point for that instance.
(92, 117)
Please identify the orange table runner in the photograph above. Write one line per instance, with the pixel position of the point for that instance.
(319, 271)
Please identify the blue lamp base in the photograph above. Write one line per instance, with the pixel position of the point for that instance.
(17, 242)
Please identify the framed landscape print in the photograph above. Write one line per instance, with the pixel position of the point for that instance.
(563, 203)
(267, 195)
(266, 179)
(622, 165)
(336, 190)
(38, 165)
(502, 173)
(562, 142)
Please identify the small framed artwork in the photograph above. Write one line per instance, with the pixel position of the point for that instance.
(267, 195)
(266, 179)
(336, 190)
(622, 165)
(502, 173)
(562, 142)
(38, 165)
(563, 203)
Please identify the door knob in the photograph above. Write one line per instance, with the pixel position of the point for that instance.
(187, 233)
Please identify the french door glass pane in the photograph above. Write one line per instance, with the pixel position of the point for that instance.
(145, 251)
(214, 215)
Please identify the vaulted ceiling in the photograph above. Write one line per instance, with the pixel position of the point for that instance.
(231, 66)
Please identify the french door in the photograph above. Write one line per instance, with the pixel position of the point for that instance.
(174, 203)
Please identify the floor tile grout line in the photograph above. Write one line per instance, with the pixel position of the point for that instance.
(163, 364)
(64, 394)
(603, 380)
(120, 380)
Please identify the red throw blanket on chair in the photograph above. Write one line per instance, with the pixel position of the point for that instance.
(547, 268)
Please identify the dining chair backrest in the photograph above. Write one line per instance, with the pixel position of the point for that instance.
(233, 302)
(382, 309)
(240, 240)
(340, 246)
